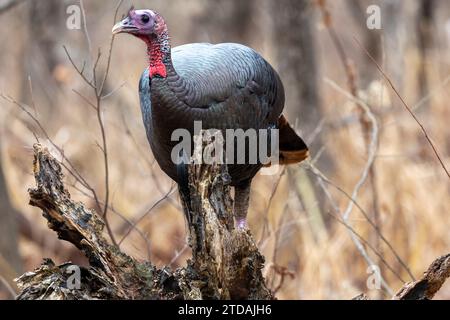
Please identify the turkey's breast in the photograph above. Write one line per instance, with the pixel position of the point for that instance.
(225, 86)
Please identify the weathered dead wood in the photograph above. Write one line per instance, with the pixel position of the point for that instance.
(226, 258)
(225, 264)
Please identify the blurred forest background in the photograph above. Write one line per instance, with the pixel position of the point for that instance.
(296, 218)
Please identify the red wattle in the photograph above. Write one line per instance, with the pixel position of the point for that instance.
(157, 69)
(156, 66)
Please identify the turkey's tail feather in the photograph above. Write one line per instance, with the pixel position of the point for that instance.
(292, 148)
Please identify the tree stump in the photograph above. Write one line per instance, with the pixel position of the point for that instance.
(226, 263)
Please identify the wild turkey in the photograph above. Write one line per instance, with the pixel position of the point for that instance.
(225, 86)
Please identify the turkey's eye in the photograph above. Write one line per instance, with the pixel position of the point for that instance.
(145, 18)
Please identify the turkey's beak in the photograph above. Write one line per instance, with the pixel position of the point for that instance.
(124, 26)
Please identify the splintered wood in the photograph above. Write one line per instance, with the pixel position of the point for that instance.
(226, 262)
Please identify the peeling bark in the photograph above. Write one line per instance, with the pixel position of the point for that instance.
(225, 264)
(225, 257)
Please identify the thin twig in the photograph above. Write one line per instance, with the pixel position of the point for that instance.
(364, 122)
(356, 240)
(79, 71)
(99, 93)
(85, 99)
(33, 103)
(178, 254)
(366, 171)
(283, 272)
(371, 156)
(136, 222)
(85, 29)
(8, 287)
(71, 169)
(150, 164)
(422, 101)
(373, 249)
(327, 21)
(119, 214)
(98, 90)
(269, 204)
(94, 69)
(111, 43)
(107, 95)
(372, 149)
(322, 177)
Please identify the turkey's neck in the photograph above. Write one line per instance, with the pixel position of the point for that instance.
(158, 50)
(161, 67)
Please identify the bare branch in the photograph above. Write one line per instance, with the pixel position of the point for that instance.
(107, 95)
(364, 175)
(178, 254)
(8, 287)
(85, 29)
(407, 108)
(33, 104)
(70, 168)
(348, 67)
(98, 91)
(108, 64)
(269, 204)
(94, 69)
(356, 239)
(120, 215)
(85, 99)
(140, 218)
(79, 71)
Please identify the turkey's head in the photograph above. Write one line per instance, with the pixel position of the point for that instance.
(150, 27)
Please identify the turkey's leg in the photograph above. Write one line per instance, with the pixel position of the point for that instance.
(183, 188)
(241, 202)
